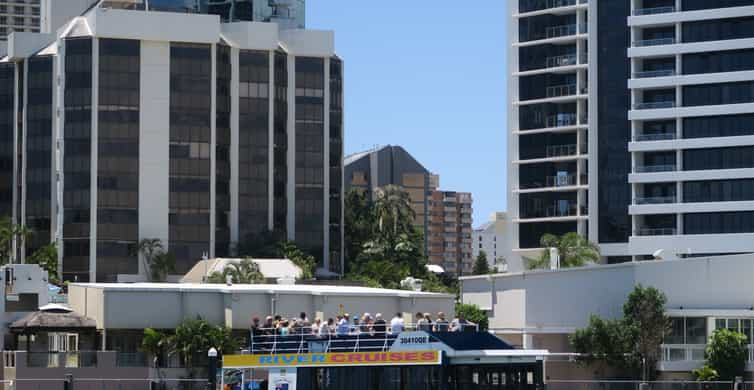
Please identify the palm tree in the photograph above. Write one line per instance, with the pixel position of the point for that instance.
(162, 265)
(47, 258)
(393, 211)
(574, 251)
(245, 272)
(11, 233)
(154, 344)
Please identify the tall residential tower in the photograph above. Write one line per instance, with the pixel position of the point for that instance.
(629, 124)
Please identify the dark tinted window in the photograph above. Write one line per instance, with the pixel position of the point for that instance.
(614, 161)
(118, 159)
(718, 190)
(724, 93)
(77, 158)
(718, 158)
(530, 234)
(719, 223)
(39, 149)
(254, 140)
(718, 126)
(718, 29)
(190, 130)
(336, 159)
(310, 158)
(7, 82)
(718, 61)
(280, 173)
(691, 5)
(222, 153)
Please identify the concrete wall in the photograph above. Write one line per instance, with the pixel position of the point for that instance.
(560, 301)
(164, 308)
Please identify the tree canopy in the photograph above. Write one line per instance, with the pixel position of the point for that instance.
(574, 251)
(244, 272)
(481, 266)
(632, 342)
(727, 354)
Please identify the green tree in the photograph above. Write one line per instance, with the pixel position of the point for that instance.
(632, 342)
(11, 233)
(161, 266)
(474, 314)
(727, 354)
(481, 266)
(644, 314)
(393, 212)
(705, 374)
(47, 258)
(574, 251)
(244, 272)
(359, 224)
(303, 260)
(154, 343)
(194, 337)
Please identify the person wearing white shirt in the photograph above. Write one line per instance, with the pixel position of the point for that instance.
(343, 326)
(396, 324)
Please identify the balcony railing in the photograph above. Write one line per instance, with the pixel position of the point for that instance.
(655, 200)
(557, 211)
(655, 168)
(564, 60)
(561, 120)
(561, 90)
(560, 150)
(76, 359)
(654, 73)
(657, 232)
(654, 10)
(561, 181)
(654, 42)
(653, 105)
(682, 352)
(655, 137)
(560, 31)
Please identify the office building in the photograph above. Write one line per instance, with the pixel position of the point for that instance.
(491, 238)
(444, 217)
(627, 125)
(449, 231)
(393, 165)
(186, 129)
(43, 16)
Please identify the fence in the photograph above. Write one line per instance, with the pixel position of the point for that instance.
(105, 384)
(638, 385)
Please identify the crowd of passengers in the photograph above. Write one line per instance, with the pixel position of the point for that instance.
(367, 325)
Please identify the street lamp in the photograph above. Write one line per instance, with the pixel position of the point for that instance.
(212, 371)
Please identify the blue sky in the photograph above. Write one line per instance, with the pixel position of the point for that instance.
(429, 76)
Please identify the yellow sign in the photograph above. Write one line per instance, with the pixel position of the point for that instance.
(335, 359)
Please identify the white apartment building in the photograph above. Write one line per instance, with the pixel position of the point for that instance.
(629, 124)
(491, 238)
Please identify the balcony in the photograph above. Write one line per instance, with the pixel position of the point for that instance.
(560, 31)
(684, 352)
(654, 42)
(654, 168)
(654, 105)
(653, 11)
(564, 60)
(561, 90)
(654, 73)
(561, 120)
(560, 150)
(555, 211)
(656, 200)
(560, 181)
(654, 137)
(657, 232)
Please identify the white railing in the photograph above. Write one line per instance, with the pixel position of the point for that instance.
(561, 120)
(560, 31)
(682, 352)
(654, 73)
(655, 200)
(655, 137)
(654, 105)
(653, 11)
(560, 150)
(561, 181)
(654, 42)
(657, 232)
(564, 60)
(561, 90)
(655, 168)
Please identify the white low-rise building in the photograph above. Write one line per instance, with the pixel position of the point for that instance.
(540, 309)
(491, 238)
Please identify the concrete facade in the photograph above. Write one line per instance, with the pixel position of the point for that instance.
(493, 239)
(539, 309)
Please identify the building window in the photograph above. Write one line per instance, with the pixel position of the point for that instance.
(190, 130)
(222, 153)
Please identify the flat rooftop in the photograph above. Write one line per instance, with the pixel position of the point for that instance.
(260, 288)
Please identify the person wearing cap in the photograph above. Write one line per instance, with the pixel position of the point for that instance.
(379, 325)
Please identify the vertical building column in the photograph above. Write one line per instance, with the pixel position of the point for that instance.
(343, 173)
(326, 165)
(154, 144)
(15, 218)
(24, 158)
(59, 150)
(94, 158)
(291, 147)
(593, 139)
(54, 133)
(234, 139)
(271, 145)
(213, 153)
